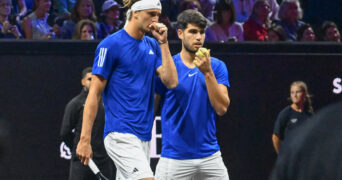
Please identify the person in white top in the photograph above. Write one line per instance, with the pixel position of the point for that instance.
(225, 29)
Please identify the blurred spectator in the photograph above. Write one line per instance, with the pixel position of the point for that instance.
(330, 32)
(225, 28)
(85, 30)
(276, 33)
(170, 9)
(190, 4)
(208, 7)
(64, 7)
(172, 30)
(111, 18)
(19, 9)
(7, 29)
(244, 9)
(255, 28)
(98, 6)
(289, 14)
(35, 25)
(306, 33)
(83, 9)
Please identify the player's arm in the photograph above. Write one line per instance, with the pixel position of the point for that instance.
(84, 151)
(218, 93)
(167, 72)
(276, 140)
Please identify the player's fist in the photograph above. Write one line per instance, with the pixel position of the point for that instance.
(159, 31)
(84, 152)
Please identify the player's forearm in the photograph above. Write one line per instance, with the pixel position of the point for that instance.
(218, 99)
(89, 114)
(168, 73)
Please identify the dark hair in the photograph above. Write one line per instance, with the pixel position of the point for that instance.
(184, 5)
(86, 70)
(325, 26)
(225, 6)
(191, 17)
(74, 13)
(301, 30)
(279, 31)
(79, 26)
(307, 101)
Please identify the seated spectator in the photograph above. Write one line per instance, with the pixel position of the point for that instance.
(244, 9)
(225, 28)
(330, 32)
(85, 30)
(306, 33)
(290, 14)
(83, 9)
(190, 4)
(276, 33)
(111, 18)
(19, 9)
(208, 7)
(64, 7)
(7, 29)
(170, 9)
(255, 28)
(35, 25)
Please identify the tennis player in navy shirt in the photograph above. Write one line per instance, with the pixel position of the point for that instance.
(125, 68)
(189, 145)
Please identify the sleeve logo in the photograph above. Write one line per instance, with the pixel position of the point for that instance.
(102, 57)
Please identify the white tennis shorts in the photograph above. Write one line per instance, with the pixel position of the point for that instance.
(208, 168)
(130, 155)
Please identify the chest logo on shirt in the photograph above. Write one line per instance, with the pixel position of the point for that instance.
(294, 120)
(151, 52)
(192, 74)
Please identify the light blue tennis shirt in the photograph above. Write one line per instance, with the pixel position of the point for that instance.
(188, 119)
(129, 66)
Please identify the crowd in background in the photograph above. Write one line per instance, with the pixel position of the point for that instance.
(229, 20)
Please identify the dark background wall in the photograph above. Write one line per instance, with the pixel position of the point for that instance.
(37, 79)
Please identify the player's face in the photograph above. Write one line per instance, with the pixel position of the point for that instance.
(192, 37)
(297, 94)
(86, 81)
(146, 17)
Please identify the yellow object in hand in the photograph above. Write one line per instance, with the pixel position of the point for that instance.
(205, 50)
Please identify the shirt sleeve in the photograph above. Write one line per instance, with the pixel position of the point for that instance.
(279, 126)
(221, 73)
(104, 61)
(70, 119)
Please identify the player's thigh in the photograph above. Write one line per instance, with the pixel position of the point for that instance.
(212, 168)
(129, 156)
(173, 169)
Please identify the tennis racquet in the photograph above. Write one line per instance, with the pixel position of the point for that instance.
(96, 170)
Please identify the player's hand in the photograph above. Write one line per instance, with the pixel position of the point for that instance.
(84, 152)
(203, 62)
(159, 31)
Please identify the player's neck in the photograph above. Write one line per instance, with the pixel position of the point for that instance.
(188, 58)
(132, 29)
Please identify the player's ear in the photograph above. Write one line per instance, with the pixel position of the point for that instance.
(180, 34)
(83, 80)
